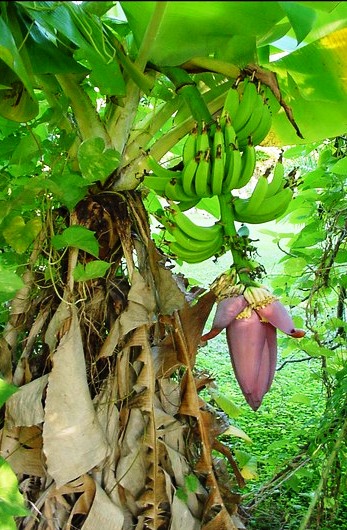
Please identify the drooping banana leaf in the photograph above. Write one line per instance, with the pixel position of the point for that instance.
(17, 100)
(313, 82)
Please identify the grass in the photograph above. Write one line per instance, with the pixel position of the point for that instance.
(286, 419)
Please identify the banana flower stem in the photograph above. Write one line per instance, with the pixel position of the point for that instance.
(241, 262)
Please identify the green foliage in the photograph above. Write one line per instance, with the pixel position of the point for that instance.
(190, 485)
(11, 500)
(92, 270)
(6, 390)
(79, 237)
(96, 162)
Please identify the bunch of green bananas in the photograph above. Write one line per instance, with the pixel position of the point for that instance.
(189, 241)
(221, 156)
(213, 163)
(249, 111)
(268, 201)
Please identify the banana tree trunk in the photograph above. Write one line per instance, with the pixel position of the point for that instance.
(108, 429)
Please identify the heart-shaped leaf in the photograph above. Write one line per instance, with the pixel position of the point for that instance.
(19, 235)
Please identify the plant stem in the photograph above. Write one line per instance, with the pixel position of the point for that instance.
(324, 476)
(120, 123)
(186, 86)
(240, 261)
(87, 118)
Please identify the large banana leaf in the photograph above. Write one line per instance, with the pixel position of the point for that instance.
(17, 99)
(313, 80)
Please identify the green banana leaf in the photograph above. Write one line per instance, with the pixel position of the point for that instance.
(192, 29)
(70, 22)
(312, 80)
(17, 100)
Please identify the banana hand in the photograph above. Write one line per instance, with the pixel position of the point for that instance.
(159, 170)
(157, 184)
(191, 229)
(232, 176)
(215, 248)
(263, 129)
(258, 195)
(203, 140)
(174, 191)
(231, 104)
(245, 134)
(271, 208)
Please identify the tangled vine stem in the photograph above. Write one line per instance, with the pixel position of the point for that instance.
(324, 476)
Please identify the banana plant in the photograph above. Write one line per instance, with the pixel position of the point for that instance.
(97, 332)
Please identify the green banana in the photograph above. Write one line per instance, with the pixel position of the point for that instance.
(264, 126)
(156, 184)
(193, 230)
(258, 195)
(174, 191)
(189, 148)
(271, 208)
(202, 176)
(249, 159)
(159, 170)
(191, 256)
(188, 175)
(186, 242)
(217, 171)
(229, 133)
(277, 204)
(187, 205)
(230, 141)
(247, 102)
(203, 141)
(218, 139)
(277, 180)
(231, 103)
(245, 134)
(232, 176)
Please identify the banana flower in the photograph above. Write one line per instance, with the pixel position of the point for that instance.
(251, 321)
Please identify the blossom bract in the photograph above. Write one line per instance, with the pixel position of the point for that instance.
(251, 330)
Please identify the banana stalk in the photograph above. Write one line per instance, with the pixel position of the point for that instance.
(187, 87)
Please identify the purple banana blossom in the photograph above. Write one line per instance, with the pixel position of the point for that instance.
(252, 342)
(278, 316)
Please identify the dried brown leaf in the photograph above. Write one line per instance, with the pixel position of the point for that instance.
(193, 319)
(73, 440)
(221, 521)
(165, 357)
(181, 516)
(22, 448)
(171, 298)
(55, 324)
(25, 406)
(103, 514)
(170, 395)
(5, 360)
